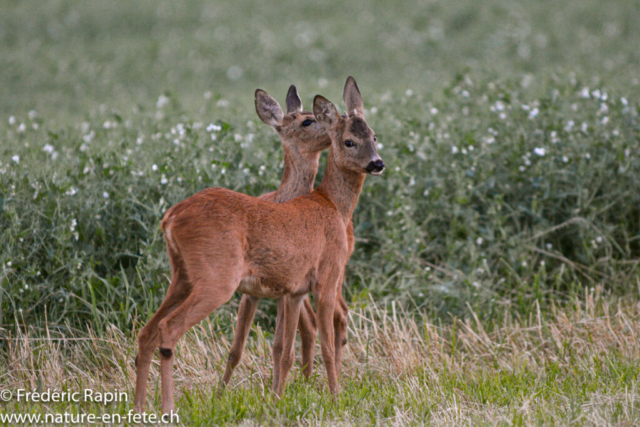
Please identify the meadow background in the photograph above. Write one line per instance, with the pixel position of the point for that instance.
(495, 278)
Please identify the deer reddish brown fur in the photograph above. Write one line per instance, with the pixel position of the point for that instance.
(220, 241)
(303, 139)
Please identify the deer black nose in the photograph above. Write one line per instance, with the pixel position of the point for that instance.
(375, 166)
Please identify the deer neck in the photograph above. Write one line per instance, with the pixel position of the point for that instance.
(299, 174)
(342, 187)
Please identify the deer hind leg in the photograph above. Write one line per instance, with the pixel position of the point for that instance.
(288, 326)
(308, 330)
(246, 313)
(178, 291)
(212, 287)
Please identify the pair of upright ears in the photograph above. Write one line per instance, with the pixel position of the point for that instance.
(271, 113)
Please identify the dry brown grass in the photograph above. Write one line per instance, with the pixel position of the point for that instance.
(575, 364)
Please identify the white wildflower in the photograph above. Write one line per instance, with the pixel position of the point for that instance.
(12, 119)
(534, 113)
(163, 180)
(569, 125)
(162, 101)
(88, 137)
(16, 159)
(105, 195)
(454, 149)
(540, 151)
(48, 148)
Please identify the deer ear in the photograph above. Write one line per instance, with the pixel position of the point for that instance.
(294, 104)
(352, 98)
(325, 112)
(268, 109)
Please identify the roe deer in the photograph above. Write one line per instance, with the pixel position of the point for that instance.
(220, 241)
(302, 136)
(303, 139)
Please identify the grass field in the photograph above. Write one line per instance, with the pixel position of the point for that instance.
(496, 273)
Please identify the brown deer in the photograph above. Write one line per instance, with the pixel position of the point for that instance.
(220, 241)
(303, 139)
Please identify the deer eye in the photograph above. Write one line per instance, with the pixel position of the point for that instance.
(348, 143)
(375, 137)
(307, 123)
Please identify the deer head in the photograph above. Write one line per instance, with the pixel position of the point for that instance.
(354, 144)
(298, 129)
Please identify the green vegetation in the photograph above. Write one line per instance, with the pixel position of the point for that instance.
(511, 136)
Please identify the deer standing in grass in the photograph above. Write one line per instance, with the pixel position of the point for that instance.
(220, 241)
(303, 138)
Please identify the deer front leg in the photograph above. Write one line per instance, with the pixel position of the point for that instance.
(340, 319)
(288, 326)
(246, 313)
(326, 298)
(308, 331)
(277, 344)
